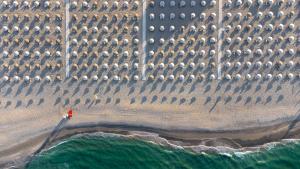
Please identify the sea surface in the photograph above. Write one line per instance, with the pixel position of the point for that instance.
(116, 152)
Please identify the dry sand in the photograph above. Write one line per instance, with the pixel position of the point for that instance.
(230, 124)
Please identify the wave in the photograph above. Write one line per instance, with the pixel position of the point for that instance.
(154, 138)
(59, 143)
(140, 149)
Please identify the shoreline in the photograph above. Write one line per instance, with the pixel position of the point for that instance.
(195, 140)
(243, 137)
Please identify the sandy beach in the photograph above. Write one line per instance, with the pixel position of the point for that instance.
(242, 140)
(230, 125)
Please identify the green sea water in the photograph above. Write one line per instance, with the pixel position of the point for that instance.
(116, 152)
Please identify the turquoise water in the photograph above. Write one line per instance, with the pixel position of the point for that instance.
(114, 152)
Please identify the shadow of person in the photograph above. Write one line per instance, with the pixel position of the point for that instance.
(52, 135)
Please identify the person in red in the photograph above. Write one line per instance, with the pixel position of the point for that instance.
(70, 114)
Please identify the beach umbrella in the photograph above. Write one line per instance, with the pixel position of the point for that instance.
(290, 76)
(212, 77)
(193, 3)
(161, 77)
(37, 78)
(279, 76)
(202, 65)
(4, 54)
(238, 76)
(227, 64)
(192, 77)
(228, 77)
(181, 77)
(248, 76)
(171, 65)
(202, 15)
(269, 76)
(95, 77)
(16, 79)
(48, 78)
(258, 76)
(26, 78)
(5, 78)
(135, 65)
(171, 77)
(135, 77)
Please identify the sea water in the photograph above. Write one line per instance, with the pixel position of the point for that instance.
(115, 152)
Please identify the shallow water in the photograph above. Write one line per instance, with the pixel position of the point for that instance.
(116, 152)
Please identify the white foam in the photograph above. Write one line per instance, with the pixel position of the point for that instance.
(60, 143)
(154, 138)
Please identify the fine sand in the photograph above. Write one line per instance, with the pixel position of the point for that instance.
(183, 125)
